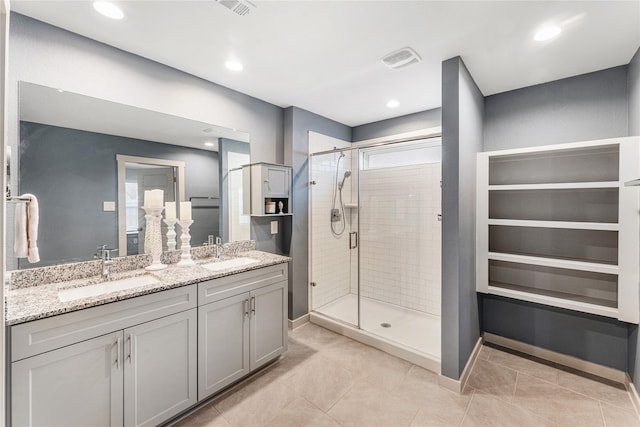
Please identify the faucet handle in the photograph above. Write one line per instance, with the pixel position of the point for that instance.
(104, 252)
(108, 251)
(218, 240)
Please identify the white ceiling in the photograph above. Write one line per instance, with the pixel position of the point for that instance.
(324, 56)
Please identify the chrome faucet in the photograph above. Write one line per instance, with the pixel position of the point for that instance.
(218, 247)
(104, 254)
(217, 251)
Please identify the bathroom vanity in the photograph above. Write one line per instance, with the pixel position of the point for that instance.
(141, 355)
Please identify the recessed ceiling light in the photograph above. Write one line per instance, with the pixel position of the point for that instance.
(547, 33)
(209, 144)
(233, 65)
(108, 9)
(393, 103)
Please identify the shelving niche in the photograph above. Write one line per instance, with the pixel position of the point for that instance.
(557, 226)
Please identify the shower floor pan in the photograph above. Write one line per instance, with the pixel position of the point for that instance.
(408, 334)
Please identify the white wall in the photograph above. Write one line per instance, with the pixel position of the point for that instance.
(400, 236)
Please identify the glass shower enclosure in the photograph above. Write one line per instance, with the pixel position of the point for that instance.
(376, 238)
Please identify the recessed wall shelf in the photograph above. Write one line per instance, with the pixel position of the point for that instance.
(351, 205)
(558, 225)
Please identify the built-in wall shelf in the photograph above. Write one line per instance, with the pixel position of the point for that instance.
(559, 225)
(555, 186)
(554, 299)
(351, 205)
(273, 215)
(555, 224)
(555, 262)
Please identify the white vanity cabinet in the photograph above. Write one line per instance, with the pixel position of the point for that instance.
(160, 369)
(78, 385)
(129, 363)
(242, 324)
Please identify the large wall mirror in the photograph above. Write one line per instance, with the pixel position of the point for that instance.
(67, 156)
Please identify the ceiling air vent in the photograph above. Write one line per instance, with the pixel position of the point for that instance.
(401, 58)
(240, 7)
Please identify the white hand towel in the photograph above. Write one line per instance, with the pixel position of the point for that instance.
(26, 229)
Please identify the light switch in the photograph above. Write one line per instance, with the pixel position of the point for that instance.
(109, 206)
(274, 227)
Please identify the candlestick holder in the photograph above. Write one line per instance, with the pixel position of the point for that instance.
(153, 237)
(185, 238)
(171, 234)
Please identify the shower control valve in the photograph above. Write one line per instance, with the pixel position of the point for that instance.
(335, 215)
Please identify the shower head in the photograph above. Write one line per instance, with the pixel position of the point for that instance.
(347, 174)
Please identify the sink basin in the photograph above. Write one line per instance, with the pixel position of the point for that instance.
(72, 294)
(230, 263)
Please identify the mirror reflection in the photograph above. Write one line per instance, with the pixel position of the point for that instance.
(67, 155)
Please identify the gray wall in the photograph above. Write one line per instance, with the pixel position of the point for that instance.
(633, 84)
(298, 123)
(42, 54)
(398, 125)
(580, 108)
(584, 107)
(67, 167)
(462, 131)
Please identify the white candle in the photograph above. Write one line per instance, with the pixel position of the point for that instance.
(156, 198)
(185, 211)
(147, 198)
(170, 210)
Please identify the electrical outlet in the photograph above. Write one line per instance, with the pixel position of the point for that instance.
(274, 227)
(109, 206)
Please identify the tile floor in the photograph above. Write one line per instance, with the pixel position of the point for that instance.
(326, 379)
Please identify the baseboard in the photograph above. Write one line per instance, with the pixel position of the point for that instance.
(559, 358)
(633, 394)
(458, 385)
(296, 323)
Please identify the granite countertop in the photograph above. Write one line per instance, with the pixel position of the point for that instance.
(25, 304)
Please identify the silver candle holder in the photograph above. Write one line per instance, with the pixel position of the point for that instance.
(185, 238)
(153, 237)
(171, 234)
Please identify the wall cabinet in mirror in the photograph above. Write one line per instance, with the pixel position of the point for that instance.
(269, 190)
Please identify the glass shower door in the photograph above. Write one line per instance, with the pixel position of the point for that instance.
(333, 226)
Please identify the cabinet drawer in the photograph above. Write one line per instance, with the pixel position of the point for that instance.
(43, 335)
(225, 287)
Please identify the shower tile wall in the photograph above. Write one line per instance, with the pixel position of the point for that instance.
(330, 265)
(400, 236)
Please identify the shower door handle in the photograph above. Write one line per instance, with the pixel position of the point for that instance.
(353, 240)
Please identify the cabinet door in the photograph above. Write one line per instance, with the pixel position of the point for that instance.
(160, 369)
(276, 181)
(268, 323)
(78, 385)
(223, 343)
